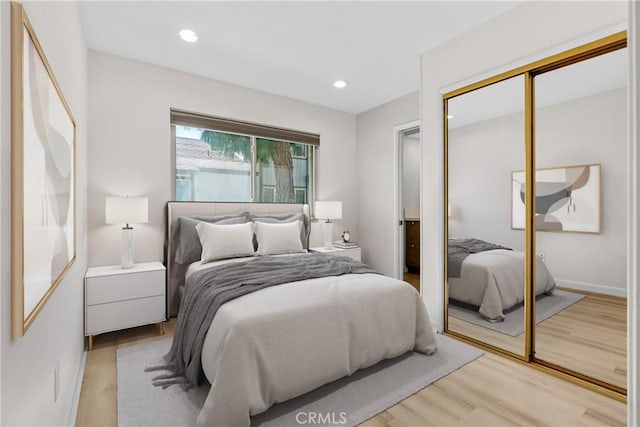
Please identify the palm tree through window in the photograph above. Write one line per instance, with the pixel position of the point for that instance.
(221, 166)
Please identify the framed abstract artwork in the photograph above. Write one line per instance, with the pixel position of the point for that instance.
(43, 175)
(567, 199)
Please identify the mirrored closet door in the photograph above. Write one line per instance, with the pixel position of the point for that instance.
(581, 216)
(485, 143)
(536, 213)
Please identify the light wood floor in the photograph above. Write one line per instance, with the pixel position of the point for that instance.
(97, 406)
(413, 279)
(588, 337)
(504, 341)
(490, 391)
(494, 391)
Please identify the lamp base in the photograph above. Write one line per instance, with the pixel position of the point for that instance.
(328, 235)
(127, 247)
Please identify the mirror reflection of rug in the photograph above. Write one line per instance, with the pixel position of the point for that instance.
(513, 323)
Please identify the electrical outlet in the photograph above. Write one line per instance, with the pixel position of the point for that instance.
(56, 382)
(541, 255)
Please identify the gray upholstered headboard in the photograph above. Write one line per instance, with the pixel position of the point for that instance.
(175, 210)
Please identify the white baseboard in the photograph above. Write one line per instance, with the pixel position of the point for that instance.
(437, 327)
(75, 399)
(592, 287)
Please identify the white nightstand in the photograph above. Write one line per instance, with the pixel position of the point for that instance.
(118, 298)
(354, 253)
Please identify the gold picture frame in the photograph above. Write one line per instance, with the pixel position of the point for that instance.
(43, 177)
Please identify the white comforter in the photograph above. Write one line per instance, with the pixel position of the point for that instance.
(286, 340)
(494, 281)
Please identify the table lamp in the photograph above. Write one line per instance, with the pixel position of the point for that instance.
(328, 210)
(127, 210)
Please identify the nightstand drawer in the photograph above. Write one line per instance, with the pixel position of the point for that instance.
(124, 314)
(351, 253)
(106, 289)
(354, 253)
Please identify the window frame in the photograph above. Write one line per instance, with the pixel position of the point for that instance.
(311, 156)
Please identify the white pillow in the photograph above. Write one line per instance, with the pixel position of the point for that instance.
(274, 239)
(225, 241)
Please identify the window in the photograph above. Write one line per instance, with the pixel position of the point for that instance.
(225, 160)
(268, 194)
(184, 186)
(301, 195)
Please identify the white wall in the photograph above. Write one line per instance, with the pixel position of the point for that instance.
(481, 158)
(633, 320)
(591, 129)
(375, 178)
(56, 336)
(411, 173)
(529, 30)
(130, 144)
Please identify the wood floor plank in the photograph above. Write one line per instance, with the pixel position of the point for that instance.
(98, 398)
(413, 279)
(589, 337)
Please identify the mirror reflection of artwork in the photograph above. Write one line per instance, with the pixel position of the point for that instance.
(567, 199)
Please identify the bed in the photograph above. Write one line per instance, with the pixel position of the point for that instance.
(491, 277)
(283, 341)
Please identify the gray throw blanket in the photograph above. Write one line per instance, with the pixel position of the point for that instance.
(459, 249)
(206, 290)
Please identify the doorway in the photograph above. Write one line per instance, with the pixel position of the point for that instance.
(408, 179)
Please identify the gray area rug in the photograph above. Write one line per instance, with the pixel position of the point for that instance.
(347, 402)
(513, 323)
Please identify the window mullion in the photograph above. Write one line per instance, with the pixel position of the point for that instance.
(254, 169)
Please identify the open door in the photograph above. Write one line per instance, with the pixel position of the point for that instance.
(408, 156)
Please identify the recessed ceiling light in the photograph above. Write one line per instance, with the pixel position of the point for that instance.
(340, 84)
(188, 36)
(450, 116)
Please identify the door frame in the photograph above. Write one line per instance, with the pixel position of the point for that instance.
(398, 237)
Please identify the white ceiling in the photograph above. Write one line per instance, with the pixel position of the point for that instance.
(294, 49)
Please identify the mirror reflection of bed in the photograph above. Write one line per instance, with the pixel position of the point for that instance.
(580, 217)
(486, 283)
(479, 207)
(486, 291)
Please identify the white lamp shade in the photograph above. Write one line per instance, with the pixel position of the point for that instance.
(126, 210)
(328, 210)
